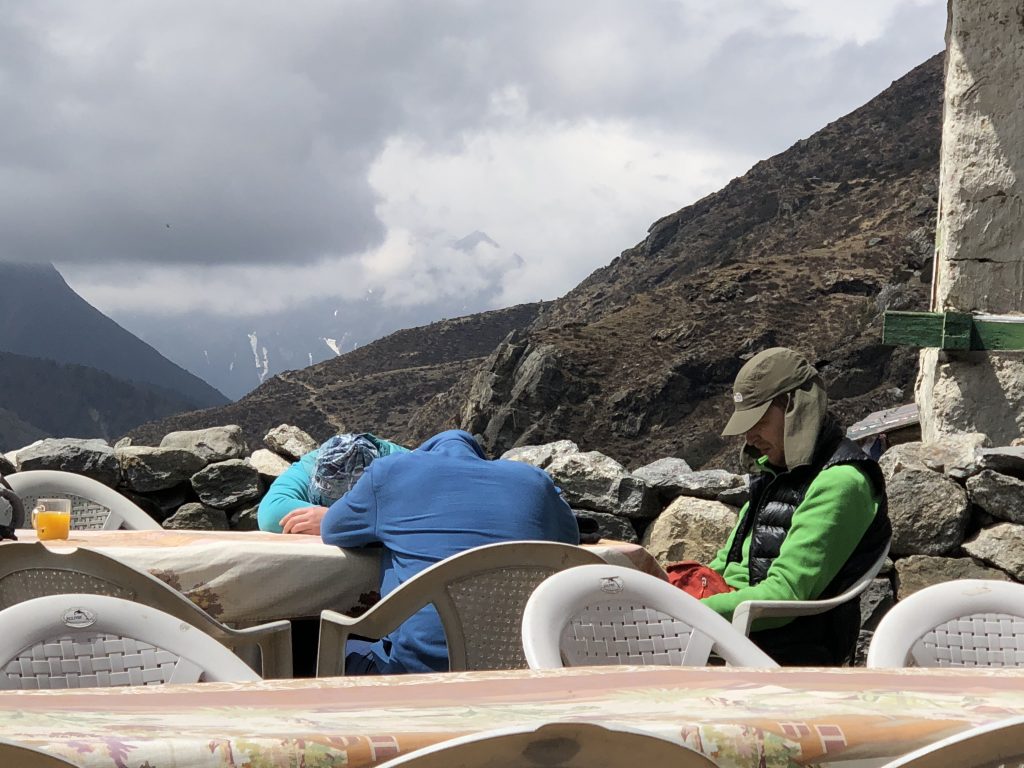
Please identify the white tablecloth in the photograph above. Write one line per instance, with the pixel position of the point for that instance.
(246, 577)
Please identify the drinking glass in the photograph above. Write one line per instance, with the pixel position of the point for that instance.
(52, 518)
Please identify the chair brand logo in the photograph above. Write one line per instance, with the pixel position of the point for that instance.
(79, 618)
(612, 584)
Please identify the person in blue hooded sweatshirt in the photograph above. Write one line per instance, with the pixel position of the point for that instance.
(441, 499)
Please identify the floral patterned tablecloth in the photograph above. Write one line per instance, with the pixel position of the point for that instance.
(738, 717)
(247, 577)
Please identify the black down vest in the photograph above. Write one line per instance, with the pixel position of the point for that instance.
(774, 499)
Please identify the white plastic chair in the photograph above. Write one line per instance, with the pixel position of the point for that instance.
(20, 756)
(963, 623)
(89, 641)
(554, 745)
(94, 506)
(988, 746)
(31, 570)
(750, 610)
(607, 614)
(479, 595)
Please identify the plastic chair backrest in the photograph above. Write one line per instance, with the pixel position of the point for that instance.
(30, 569)
(479, 594)
(94, 506)
(606, 614)
(21, 756)
(86, 641)
(994, 745)
(963, 623)
(554, 745)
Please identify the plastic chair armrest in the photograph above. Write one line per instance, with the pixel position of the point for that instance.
(749, 611)
(274, 639)
(381, 620)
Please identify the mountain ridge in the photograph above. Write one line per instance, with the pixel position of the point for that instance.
(44, 318)
(807, 249)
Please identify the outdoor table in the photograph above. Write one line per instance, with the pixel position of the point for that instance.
(248, 577)
(738, 717)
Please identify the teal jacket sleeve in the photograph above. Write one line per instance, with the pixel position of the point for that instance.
(351, 521)
(826, 527)
(289, 491)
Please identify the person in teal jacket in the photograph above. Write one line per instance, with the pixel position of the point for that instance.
(297, 500)
(817, 517)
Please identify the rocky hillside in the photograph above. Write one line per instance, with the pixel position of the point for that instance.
(808, 249)
(375, 388)
(39, 398)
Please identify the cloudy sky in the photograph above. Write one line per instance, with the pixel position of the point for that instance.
(243, 157)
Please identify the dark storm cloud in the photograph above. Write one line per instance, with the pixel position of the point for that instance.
(243, 133)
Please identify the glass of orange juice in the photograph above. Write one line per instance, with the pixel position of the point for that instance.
(52, 518)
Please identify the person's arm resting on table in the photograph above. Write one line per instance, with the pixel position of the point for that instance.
(826, 528)
(288, 492)
(352, 520)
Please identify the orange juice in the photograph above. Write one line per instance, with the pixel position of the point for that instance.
(52, 525)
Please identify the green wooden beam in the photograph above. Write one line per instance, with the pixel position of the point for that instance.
(912, 329)
(956, 331)
(953, 330)
(998, 332)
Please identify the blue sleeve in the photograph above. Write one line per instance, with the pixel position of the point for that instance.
(351, 521)
(289, 491)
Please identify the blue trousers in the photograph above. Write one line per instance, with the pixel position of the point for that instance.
(360, 658)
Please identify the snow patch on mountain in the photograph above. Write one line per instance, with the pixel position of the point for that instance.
(262, 361)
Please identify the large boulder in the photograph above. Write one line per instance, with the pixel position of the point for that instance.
(712, 484)
(875, 601)
(227, 484)
(145, 469)
(92, 458)
(1001, 545)
(1007, 460)
(955, 455)
(997, 494)
(6, 466)
(690, 529)
(213, 444)
(196, 517)
(246, 519)
(541, 455)
(163, 503)
(592, 480)
(268, 463)
(611, 526)
(290, 442)
(929, 512)
(916, 572)
(672, 478)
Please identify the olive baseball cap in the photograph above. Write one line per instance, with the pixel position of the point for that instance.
(762, 378)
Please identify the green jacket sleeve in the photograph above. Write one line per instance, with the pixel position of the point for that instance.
(826, 527)
(289, 491)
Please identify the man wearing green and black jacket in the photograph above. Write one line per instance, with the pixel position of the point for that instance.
(817, 516)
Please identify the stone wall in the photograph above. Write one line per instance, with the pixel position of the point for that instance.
(202, 479)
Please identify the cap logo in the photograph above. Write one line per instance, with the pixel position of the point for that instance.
(737, 397)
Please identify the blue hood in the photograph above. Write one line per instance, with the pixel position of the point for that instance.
(454, 442)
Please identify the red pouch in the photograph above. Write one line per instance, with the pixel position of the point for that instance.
(696, 579)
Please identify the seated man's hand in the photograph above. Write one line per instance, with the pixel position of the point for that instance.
(304, 520)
